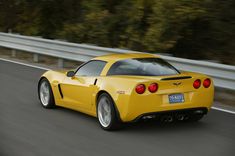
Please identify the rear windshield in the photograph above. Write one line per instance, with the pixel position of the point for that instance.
(142, 67)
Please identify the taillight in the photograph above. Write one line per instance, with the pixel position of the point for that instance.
(207, 83)
(140, 89)
(197, 84)
(153, 87)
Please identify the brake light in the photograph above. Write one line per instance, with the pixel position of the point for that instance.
(207, 83)
(140, 89)
(197, 84)
(153, 87)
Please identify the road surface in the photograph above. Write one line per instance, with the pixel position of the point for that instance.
(27, 129)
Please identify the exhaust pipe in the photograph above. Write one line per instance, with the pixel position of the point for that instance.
(149, 117)
(167, 118)
(170, 119)
(180, 117)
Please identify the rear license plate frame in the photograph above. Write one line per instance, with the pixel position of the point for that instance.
(176, 98)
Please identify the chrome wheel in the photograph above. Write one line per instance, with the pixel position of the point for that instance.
(104, 111)
(44, 93)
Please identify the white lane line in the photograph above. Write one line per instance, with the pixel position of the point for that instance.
(24, 64)
(223, 110)
(33, 66)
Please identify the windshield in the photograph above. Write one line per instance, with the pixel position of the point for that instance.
(142, 67)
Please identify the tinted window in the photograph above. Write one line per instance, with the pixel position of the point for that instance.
(92, 68)
(142, 67)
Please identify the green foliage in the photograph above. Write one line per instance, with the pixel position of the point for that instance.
(198, 29)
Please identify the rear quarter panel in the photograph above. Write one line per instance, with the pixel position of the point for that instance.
(120, 89)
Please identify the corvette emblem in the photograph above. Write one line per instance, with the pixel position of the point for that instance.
(177, 83)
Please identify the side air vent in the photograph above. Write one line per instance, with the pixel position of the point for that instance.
(61, 94)
(176, 78)
(95, 81)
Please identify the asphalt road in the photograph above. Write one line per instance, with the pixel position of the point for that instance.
(27, 129)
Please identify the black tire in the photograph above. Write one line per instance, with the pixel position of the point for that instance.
(115, 122)
(195, 117)
(51, 101)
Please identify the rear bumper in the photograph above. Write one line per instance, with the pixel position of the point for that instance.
(134, 106)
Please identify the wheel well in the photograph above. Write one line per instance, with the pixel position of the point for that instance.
(41, 80)
(39, 83)
(116, 109)
(98, 95)
(43, 77)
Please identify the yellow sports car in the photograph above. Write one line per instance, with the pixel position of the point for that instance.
(120, 88)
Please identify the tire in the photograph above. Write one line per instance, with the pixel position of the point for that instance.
(195, 117)
(106, 113)
(45, 94)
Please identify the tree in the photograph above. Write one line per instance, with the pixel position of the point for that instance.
(197, 29)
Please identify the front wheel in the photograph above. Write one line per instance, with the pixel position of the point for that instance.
(45, 94)
(106, 113)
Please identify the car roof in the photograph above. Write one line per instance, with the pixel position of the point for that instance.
(123, 56)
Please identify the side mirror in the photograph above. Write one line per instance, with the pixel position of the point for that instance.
(70, 74)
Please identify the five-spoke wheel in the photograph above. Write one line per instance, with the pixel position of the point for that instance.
(45, 94)
(106, 113)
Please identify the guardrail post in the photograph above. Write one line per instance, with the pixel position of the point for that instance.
(60, 63)
(35, 58)
(13, 53)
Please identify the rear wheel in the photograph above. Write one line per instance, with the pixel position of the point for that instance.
(45, 94)
(195, 117)
(106, 113)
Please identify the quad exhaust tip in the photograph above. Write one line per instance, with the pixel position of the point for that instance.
(149, 117)
(180, 117)
(167, 118)
(170, 118)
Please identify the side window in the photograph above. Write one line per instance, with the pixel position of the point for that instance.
(92, 68)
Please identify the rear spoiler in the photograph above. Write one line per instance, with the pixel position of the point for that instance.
(176, 78)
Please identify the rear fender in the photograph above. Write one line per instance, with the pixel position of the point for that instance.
(120, 91)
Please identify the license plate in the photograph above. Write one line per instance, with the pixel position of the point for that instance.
(176, 98)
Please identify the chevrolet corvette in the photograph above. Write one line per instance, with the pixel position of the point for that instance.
(120, 88)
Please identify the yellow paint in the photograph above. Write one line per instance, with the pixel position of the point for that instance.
(80, 93)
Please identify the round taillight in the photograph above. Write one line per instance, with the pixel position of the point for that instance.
(207, 83)
(153, 87)
(140, 89)
(197, 84)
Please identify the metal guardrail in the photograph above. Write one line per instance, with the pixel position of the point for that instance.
(224, 75)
